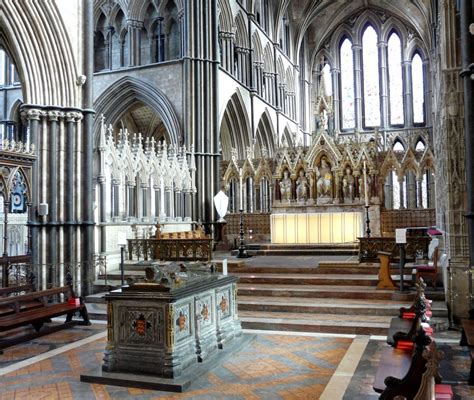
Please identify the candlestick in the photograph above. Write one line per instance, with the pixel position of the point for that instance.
(241, 173)
(365, 186)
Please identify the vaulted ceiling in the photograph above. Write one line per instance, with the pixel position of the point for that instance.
(317, 19)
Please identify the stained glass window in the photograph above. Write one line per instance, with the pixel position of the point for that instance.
(347, 85)
(396, 191)
(424, 190)
(327, 80)
(418, 89)
(371, 77)
(395, 80)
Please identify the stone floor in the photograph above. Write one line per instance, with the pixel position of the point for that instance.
(276, 365)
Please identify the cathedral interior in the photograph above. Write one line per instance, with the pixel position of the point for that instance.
(331, 127)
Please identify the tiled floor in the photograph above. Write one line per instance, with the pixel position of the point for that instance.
(276, 365)
(273, 366)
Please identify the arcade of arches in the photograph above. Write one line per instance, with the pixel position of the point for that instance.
(116, 115)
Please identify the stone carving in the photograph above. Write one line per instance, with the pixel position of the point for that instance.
(302, 187)
(324, 183)
(285, 187)
(348, 185)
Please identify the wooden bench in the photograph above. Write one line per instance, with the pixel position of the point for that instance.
(467, 339)
(15, 290)
(410, 374)
(36, 309)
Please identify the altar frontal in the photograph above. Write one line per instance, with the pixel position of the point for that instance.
(312, 228)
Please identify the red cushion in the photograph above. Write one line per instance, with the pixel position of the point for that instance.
(408, 315)
(443, 391)
(405, 345)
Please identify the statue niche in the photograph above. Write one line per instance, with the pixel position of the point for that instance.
(285, 187)
(324, 181)
(302, 187)
(348, 186)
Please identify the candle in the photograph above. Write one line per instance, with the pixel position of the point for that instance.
(241, 174)
(365, 186)
(224, 266)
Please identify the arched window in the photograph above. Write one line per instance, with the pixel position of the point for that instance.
(327, 80)
(395, 80)
(420, 146)
(418, 90)
(398, 146)
(374, 88)
(347, 85)
(371, 77)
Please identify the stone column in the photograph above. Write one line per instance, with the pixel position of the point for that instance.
(134, 39)
(108, 47)
(407, 93)
(419, 194)
(32, 117)
(358, 110)
(335, 72)
(201, 125)
(383, 71)
(402, 193)
(53, 184)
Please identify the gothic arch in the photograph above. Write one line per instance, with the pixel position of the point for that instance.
(235, 117)
(266, 133)
(226, 21)
(124, 93)
(34, 35)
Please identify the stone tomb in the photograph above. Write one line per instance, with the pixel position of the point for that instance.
(162, 336)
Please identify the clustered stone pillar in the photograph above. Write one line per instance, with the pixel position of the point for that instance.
(227, 50)
(55, 236)
(201, 63)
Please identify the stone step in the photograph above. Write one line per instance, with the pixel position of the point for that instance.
(321, 323)
(328, 306)
(324, 323)
(301, 252)
(327, 291)
(308, 279)
(303, 246)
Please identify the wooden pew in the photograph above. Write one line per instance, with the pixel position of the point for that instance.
(410, 374)
(405, 327)
(15, 290)
(37, 308)
(467, 339)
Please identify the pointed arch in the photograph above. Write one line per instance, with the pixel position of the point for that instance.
(34, 35)
(241, 36)
(257, 47)
(226, 19)
(268, 65)
(127, 91)
(265, 133)
(235, 128)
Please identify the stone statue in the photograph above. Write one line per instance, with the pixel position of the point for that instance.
(285, 187)
(324, 183)
(302, 186)
(348, 185)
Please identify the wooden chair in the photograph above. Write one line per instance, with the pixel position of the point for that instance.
(431, 269)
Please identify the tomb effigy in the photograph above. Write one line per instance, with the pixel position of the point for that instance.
(163, 330)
